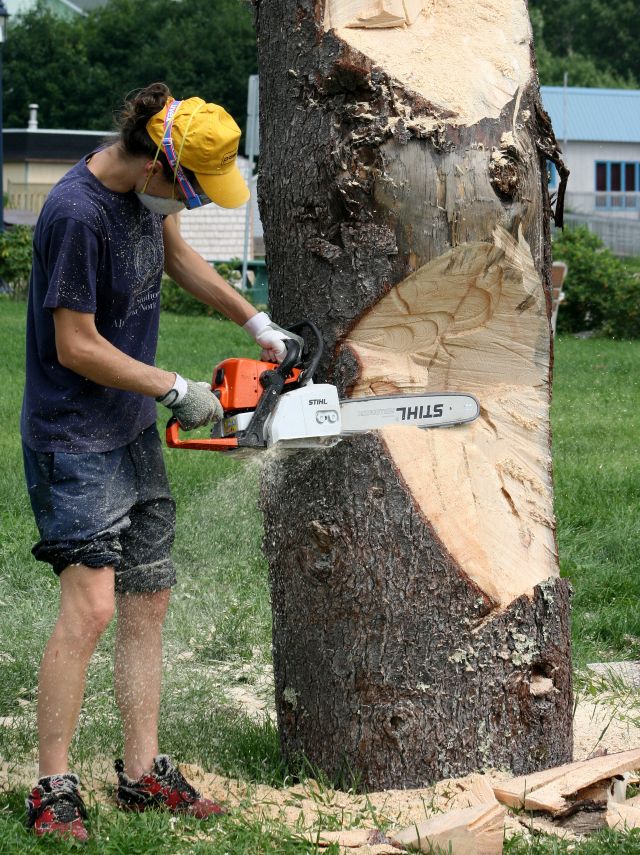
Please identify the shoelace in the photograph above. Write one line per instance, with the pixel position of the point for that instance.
(66, 805)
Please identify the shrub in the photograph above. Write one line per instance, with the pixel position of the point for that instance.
(175, 299)
(15, 260)
(602, 293)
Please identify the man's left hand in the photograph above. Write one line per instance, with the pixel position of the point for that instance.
(270, 337)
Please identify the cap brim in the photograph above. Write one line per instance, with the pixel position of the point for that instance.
(229, 190)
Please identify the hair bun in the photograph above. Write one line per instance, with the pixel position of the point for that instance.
(139, 106)
(144, 103)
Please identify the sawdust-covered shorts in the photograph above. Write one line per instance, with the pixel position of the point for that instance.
(111, 509)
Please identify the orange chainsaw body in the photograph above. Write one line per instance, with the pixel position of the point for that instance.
(236, 382)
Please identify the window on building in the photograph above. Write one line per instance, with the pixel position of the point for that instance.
(552, 174)
(617, 184)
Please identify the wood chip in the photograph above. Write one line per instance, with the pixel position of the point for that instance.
(623, 817)
(351, 839)
(413, 8)
(552, 789)
(472, 831)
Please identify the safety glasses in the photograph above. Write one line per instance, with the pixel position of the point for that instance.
(192, 199)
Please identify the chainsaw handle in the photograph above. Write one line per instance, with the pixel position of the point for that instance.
(312, 367)
(291, 358)
(174, 441)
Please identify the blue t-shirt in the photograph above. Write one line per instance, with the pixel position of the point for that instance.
(99, 252)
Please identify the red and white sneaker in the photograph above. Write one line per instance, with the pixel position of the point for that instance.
(164, 787)
(54, 806)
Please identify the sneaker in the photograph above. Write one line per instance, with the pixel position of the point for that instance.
(163, 787)
(54, 806)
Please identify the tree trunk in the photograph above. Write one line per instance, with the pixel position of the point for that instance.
(420, 627)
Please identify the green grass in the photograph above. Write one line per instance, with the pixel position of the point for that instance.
(596, 423)
(220, 619)
(114, 833)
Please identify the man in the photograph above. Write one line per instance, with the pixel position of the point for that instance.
(93, 459)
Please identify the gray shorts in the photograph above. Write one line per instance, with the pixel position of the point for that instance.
(109, 509)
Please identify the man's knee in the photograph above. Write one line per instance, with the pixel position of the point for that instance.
(87, 604)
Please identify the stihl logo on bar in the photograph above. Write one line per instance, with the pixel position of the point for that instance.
(420, 412)
(316, 401)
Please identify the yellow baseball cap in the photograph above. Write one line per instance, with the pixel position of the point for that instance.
(206, 139)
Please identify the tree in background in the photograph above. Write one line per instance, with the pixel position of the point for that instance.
(46, 62)
(78, 71)
(596, 41)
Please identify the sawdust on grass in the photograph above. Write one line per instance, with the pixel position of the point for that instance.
(600, 725)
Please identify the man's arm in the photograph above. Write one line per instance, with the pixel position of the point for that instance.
(184, 265)
(82, 349)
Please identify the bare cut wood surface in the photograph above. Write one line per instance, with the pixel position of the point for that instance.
(473, 831)
(474, 827)
(473, 320)
(383, 13)
(468, 64)
(552, 789)
(374, 14)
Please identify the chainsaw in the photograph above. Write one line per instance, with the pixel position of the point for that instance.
(266, 404)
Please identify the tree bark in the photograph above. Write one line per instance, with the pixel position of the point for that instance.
(420, 627)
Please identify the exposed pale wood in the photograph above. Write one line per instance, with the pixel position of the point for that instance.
(623, 816)
(387, 13)
(374, 14)
(351, 839)
(473, 320)
(481, 792)
(479, 82)
(634, 801)
(551, 789)
(413, 8)
(472, 831)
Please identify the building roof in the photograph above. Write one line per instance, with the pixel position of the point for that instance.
(593, 115)
(46, 144)
(79, 7)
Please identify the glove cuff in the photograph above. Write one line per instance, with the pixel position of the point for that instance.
(175, 394)
(257, 323)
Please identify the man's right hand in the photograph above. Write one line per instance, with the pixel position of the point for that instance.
(198, 406)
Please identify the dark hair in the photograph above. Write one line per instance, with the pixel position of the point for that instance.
(139, 106)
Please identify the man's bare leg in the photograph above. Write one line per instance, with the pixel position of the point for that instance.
(86, 609)
(138, 675)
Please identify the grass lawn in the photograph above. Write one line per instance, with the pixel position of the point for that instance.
(218, 629)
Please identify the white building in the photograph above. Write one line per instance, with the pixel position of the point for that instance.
(599, 133)
(36, 158)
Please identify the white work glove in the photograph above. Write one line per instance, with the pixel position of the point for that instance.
(193, 404)
(270, 337)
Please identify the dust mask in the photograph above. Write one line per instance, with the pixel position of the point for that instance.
(160, 205)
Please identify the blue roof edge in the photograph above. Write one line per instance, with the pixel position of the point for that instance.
(583, 90)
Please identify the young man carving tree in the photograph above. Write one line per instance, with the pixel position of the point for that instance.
(93, 459)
